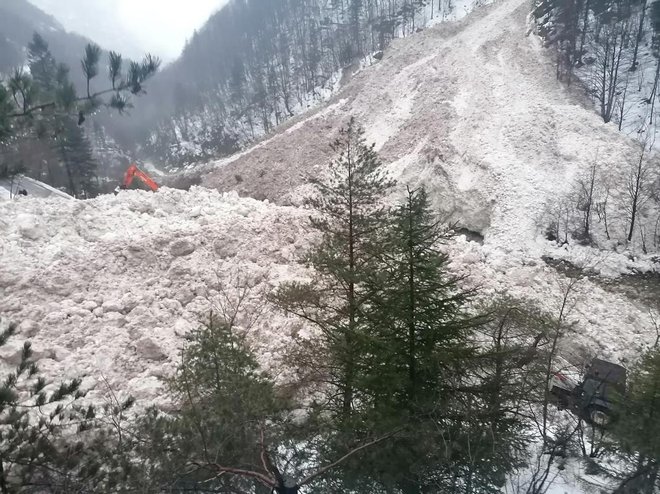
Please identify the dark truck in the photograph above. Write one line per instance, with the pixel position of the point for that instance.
(595, 397)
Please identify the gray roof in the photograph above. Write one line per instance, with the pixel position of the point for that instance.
(9, 188)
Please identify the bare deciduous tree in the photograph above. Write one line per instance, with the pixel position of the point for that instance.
(637, 190)
(586, 202)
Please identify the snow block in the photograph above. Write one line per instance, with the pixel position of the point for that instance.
(184, 296)
(224, 249)
(28, 226)
(149, 349)
(112, 306)
(89, 305)
(11, 352)
(114, 319)
(28, 328)
(182, 247)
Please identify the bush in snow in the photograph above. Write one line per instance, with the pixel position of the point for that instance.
(49, 440)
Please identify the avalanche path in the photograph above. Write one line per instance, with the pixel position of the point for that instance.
(106, 288)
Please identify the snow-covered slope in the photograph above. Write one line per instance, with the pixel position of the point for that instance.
(10, 188)
(472, 110)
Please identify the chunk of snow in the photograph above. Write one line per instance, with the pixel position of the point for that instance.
(148, 349)
(28, 226)
(181, 247)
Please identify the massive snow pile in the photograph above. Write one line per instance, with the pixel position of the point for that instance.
(106, 288)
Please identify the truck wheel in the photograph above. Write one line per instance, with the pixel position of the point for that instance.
(598, 416)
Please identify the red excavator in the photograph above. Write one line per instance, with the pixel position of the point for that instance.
(133, 172)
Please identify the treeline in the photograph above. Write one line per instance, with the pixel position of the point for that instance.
(610, 210)
(404, 383)
(613, 48)
(256, 63)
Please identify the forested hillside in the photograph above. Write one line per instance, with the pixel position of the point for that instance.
(610, 50)
(611, 47)
(255, 64)
(19, 20)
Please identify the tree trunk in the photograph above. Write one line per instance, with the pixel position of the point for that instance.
(349, 340)
(623, 104)
(583, 34)
(655, 90)
(412, 333)
(638, 38)
(635, 193)
(589, 202)
(603, 89)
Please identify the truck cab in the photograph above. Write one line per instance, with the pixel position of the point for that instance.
(602, 387)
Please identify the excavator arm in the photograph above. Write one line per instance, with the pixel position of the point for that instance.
(133, 172)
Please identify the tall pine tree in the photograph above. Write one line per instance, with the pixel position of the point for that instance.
(43, 67)
(75, 153)
(418, 309)
(350, 216)
(416, 349)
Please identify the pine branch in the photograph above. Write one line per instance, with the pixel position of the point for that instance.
(29, 111)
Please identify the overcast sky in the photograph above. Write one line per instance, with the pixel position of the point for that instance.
(162, 26)
(134, 26)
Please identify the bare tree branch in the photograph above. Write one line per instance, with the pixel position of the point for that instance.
(332, 465)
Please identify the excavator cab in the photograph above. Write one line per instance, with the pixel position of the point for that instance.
(134, 172)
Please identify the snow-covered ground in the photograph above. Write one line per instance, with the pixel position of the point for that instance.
(635, 111)
(469, 109)
(106, 288)
(10, 188)
(472, 110)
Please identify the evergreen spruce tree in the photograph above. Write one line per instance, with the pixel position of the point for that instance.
(428, 372)
(638, 427)
(416, 350)
(417, 311)
(226, 409)
(75, 152)
(350, 216)
(43, 67)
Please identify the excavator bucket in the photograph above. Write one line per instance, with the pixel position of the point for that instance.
(133, 172)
